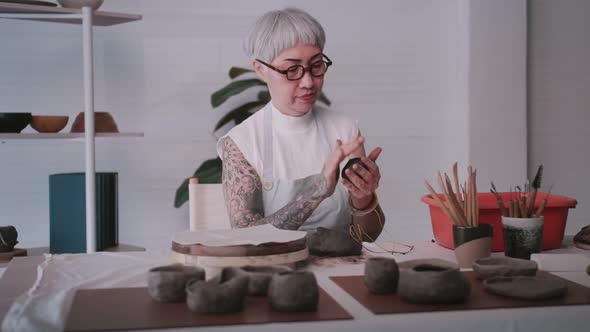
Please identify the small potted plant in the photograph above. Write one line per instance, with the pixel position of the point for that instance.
(522, 222)
(472, 240)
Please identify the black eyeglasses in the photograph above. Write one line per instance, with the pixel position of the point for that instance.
(294, 73)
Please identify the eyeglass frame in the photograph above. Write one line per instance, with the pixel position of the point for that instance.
(285, 72)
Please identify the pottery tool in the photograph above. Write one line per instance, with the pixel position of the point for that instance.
(536, 185)
(544, 202)
(460, 204)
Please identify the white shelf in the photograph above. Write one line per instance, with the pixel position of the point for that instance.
(101, 18)
(88, 19)
(31, 136)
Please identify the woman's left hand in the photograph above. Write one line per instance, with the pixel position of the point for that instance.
(363, 182)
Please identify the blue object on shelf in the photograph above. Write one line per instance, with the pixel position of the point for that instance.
(67, 212)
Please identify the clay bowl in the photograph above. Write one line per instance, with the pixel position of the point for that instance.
(223, 294)
(432, 281)
(167, 283)
(103, 123)
(14, 122)
(295, 291)
(490, 267)
(49, 123)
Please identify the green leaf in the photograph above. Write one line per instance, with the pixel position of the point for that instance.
(237, 71)
(239, 114)
(324, 99)
(220, 96)
(208, 172)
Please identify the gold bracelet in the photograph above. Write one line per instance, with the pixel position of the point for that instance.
(363, 212)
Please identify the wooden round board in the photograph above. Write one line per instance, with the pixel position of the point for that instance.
(264, 249)
(7, 256)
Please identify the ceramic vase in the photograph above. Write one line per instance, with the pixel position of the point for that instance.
(522, 236)
(472, 243)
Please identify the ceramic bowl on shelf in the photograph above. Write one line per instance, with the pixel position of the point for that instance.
(49, 123)
(14, 122)
(103, 123)
(80, 3)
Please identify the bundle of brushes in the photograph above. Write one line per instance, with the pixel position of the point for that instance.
(521, 204)
(460, 205)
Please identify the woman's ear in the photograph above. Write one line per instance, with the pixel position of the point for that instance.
(260, 71)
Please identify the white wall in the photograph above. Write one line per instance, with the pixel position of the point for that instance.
(559, 100)
(403, 68)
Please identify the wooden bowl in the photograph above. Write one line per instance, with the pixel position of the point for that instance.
(49, 123)
(103, 123)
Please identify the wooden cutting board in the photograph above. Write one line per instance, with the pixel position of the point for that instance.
(264, 249)
(479, 298)
(132, 308)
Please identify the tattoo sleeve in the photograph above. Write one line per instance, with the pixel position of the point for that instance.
(242, 189)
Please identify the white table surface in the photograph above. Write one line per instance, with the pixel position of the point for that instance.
(21, 273)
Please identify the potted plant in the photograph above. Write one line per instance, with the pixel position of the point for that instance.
(210, 170)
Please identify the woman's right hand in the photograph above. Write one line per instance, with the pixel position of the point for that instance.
(331, 168)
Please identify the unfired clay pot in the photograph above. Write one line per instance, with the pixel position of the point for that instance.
(294, 291)
(490, 267)
(328, 242)
(167, 283)
(258, 277)
(381, 275)
(223, 294)
(432, 282)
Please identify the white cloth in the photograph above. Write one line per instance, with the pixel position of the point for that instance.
(296, 149)
(45, 305)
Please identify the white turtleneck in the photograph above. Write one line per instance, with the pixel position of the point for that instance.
(298, 148)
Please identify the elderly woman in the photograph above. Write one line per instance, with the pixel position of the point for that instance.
(281, 166)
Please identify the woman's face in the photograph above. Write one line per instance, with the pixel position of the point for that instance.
(294, 98)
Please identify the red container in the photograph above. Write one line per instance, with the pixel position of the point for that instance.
(555, 216)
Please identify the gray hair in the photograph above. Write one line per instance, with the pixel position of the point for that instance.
(278, 30)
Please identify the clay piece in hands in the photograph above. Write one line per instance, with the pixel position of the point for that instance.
(167, 283)
(8, 236)
(223, 294)
(432, 282)
(490, 267)
(525, 287)
(381, 275)
(294, 291)
(258, 277)
(351, 162)
(332, 243)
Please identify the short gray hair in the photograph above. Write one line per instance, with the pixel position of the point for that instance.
(278, 30)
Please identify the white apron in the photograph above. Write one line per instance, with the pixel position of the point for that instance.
(332, 213)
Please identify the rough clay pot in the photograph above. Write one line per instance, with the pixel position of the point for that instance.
(329, 242)
(472, 243)
(223, 294)
(167, 283)
(491, 267)
(258, 277)
(432, 281)
(522, 236)
(294, 291)
(381, 275)
(8, 236)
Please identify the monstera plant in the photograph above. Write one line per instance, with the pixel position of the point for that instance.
(210, 170)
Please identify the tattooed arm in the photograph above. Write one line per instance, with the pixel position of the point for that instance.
(242, 190)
